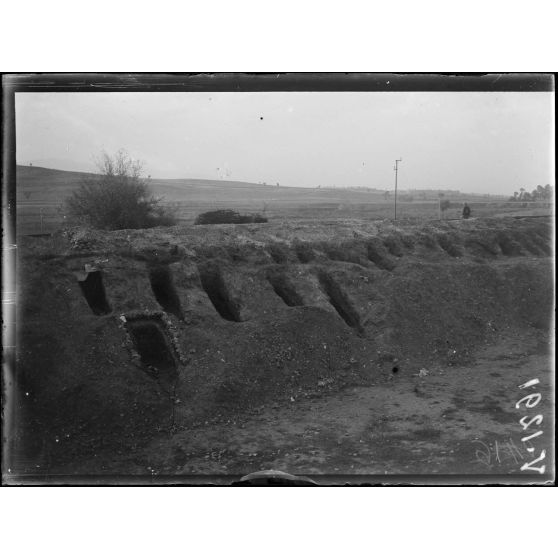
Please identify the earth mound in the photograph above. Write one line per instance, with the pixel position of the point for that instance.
(128, 334)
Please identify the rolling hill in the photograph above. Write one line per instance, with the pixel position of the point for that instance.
(38, 185)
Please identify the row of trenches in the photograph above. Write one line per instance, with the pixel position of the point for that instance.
(382, 253)
(213, 283)
(374, 251)
(149, 334)
(93, 290)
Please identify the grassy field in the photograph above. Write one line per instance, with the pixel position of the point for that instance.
(41, 192)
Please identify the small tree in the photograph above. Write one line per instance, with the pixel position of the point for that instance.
(444, 205)
(118, 197)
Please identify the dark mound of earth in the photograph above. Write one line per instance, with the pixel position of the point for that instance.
(128, 334)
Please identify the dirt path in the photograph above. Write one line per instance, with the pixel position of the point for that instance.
(460, 420)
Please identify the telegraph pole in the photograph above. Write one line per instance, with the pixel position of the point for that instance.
(395, 168)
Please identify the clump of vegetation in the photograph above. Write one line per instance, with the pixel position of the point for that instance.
(444, 205)
(228, 216)
(540, 193)
(118, 197)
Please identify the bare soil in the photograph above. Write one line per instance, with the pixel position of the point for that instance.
(223, 350)
(455, 420)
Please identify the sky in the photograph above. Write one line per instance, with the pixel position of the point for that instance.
(473, 142)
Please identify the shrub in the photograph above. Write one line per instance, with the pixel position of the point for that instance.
(227, 216)
(444, 205)
(118, 197)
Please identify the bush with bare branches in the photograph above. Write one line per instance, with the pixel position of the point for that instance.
(118, 197)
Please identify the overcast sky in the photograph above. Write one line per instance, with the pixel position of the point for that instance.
(473, 142)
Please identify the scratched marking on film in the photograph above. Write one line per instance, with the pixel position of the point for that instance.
(499, 452)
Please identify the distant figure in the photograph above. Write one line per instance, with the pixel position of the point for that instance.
(466, 211)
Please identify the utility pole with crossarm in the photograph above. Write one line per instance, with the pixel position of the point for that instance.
(395, 168)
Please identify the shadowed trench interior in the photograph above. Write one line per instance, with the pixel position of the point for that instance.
(338, 299)
(285, 290)
(94, 292)
(164, 290)
(151, 344)
(215, 288)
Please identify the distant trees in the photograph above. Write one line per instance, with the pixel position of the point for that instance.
(118, 197)
(540, 193)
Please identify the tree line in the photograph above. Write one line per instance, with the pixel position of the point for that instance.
(540, 193)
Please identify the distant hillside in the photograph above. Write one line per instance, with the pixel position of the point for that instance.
(38, 185)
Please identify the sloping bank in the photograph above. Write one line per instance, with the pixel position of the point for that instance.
(126, 335)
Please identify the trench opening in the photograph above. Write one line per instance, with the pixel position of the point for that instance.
(94, 292)
(449, 247)
(285, 290)
(215, 288)
(304, 252)
(509, 246)
(481, 247)
(279, 254)
(152, 346)
(339, 300)
(381, 260)
(164, 290)
(394, 246)
(542, 243)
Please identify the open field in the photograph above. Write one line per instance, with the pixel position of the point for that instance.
(40, 193)
(340, 346)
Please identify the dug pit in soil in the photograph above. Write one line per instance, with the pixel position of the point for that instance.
(152, 346)
(164, 291)
(94, 292)
(215, 288)
(285, 290)
(338, 299)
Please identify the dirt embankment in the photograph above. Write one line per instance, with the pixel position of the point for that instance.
(126, 335)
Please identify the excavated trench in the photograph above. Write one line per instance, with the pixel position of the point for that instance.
(218, 293)
(163, 288)
(94, 292)
(339, 300)
(152, 346)
(377, 254)
(285, 290)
